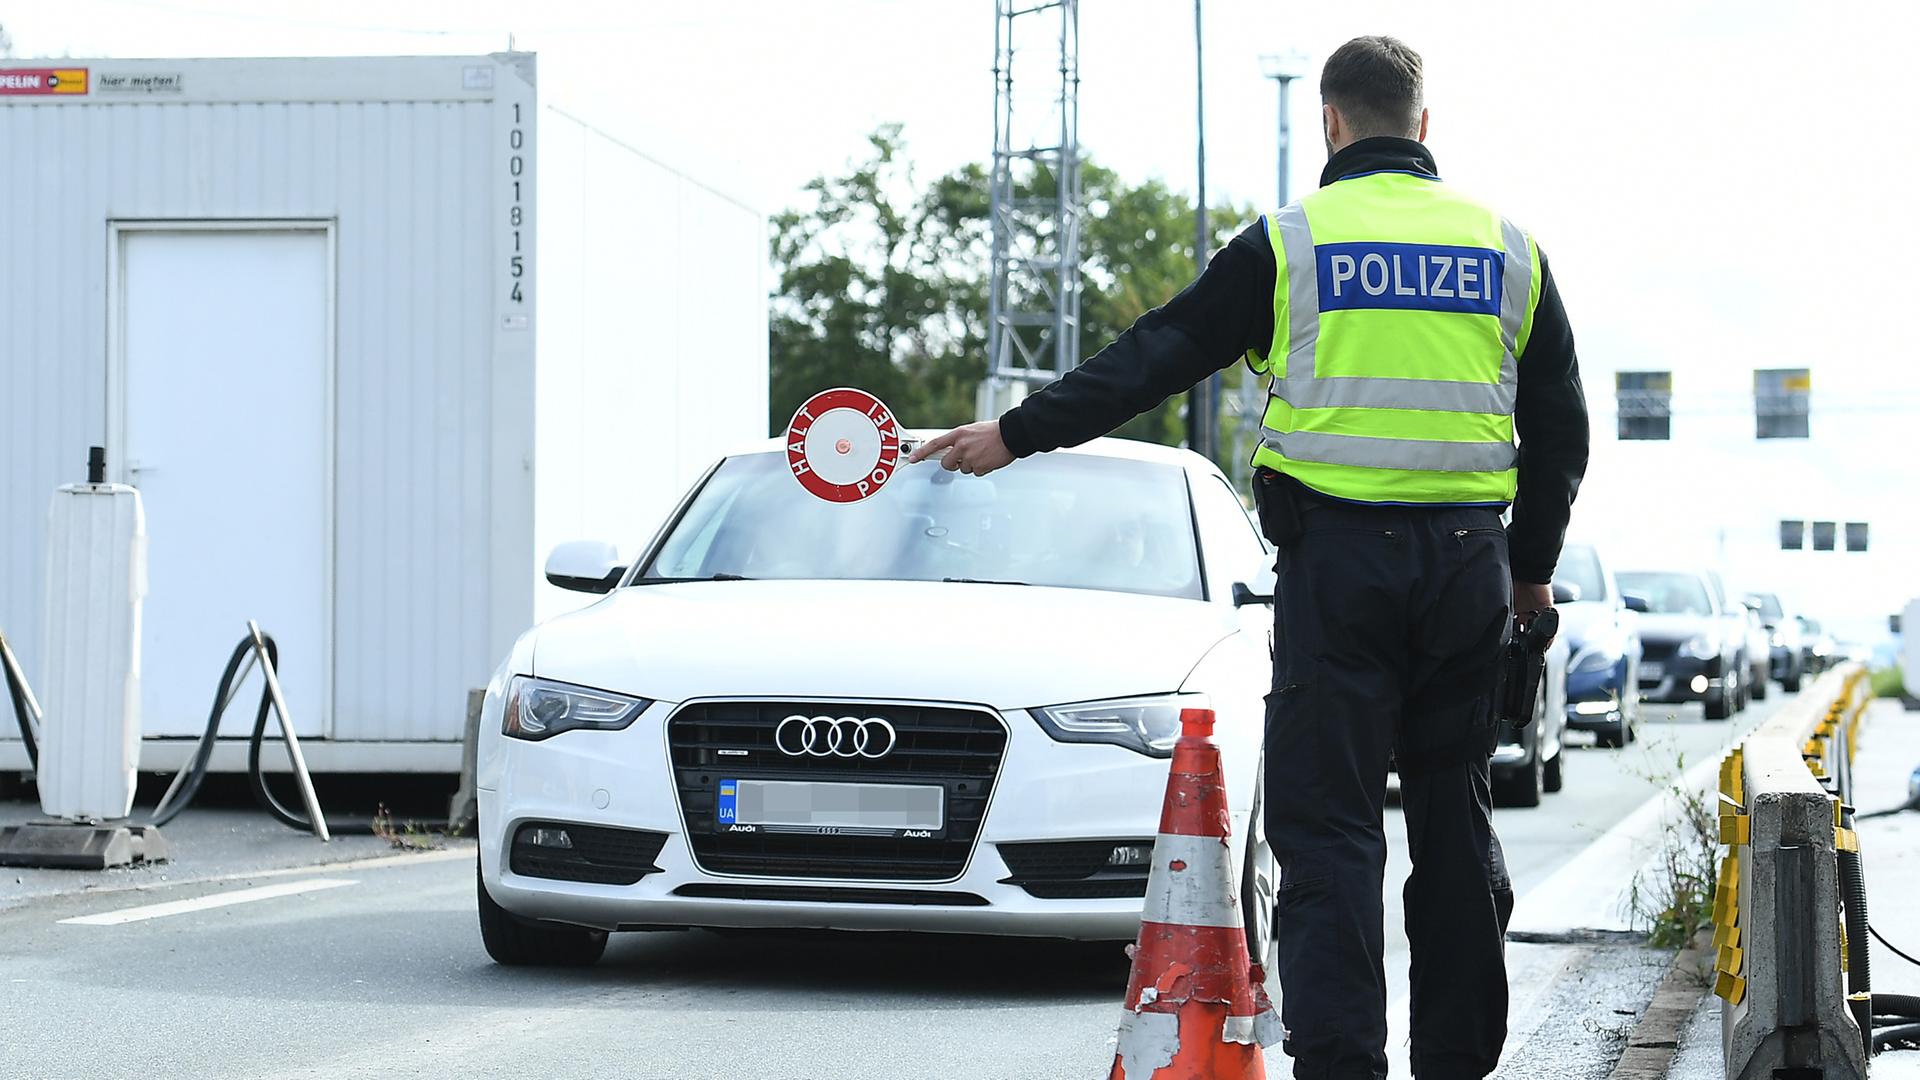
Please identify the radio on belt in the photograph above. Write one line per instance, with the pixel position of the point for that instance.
(844, 444)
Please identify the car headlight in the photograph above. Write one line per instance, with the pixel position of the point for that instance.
(1148, 725)
(1778, 640)
(538, 709)
(1702, 646)
(1589, 662)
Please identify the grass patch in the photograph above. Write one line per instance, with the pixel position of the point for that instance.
(406, 835)
(1887, 682)
(1673, 898)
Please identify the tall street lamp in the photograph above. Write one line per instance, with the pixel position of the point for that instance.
(1283, 68)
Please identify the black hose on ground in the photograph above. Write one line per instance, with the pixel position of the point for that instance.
(1906, 1036)
(1853, 894)
(17, 693)
(1897, 1007)
(1910, 804)
(196, 769)
(258, 781)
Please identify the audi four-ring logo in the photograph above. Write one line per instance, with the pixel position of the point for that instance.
(826, 736)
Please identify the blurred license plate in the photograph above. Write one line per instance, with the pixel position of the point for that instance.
(779, 805)
(1652, 670)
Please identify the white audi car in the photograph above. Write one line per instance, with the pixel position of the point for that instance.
(948, 707)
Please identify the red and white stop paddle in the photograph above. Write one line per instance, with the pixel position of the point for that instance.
(843, 445)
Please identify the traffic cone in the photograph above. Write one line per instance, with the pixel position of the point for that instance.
(1196, 1006)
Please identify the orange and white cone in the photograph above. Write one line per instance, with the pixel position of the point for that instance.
(1195, 1008)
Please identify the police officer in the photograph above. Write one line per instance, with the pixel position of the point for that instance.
(1410, 334)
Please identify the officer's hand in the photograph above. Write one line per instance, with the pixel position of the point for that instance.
(1529, 597)
(975, 449)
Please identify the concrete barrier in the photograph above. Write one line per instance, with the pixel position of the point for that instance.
(1778, 931)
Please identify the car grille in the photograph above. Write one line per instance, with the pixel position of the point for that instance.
(832, 894)
(958, 748)
(1658, 651)
(600, 855)
(1072, 870)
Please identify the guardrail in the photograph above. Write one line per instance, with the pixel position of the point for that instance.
(1782, 964)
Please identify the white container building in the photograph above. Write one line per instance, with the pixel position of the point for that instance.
(370, 336)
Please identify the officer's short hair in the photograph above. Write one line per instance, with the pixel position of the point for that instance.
(1375, 83)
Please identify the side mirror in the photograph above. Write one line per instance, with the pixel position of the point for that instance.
(1634, 603)
(1564, 593)
(1242, 596)
(589, 566)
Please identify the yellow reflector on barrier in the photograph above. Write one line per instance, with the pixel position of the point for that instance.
(1846, 840)
(1730, 988)
(1724, 934)
(1730, 959)
(1735, 829)
(1731, 781)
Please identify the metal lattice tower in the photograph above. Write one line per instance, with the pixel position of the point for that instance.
(1033, 314)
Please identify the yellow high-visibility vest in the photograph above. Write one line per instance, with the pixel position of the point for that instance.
(1399, 314)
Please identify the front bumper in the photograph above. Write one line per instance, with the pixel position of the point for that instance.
(1044, 791)
(1594, 698)
(1679, 678)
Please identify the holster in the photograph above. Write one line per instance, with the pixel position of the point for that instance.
(1277, 499)
(1521, 667)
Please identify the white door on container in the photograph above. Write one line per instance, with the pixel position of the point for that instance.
(225, 340)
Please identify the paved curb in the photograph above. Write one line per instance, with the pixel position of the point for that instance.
(1650, 1049)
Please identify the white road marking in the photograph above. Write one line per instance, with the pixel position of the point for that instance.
(203, 903)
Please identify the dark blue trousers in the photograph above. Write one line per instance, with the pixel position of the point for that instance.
(1388, 628)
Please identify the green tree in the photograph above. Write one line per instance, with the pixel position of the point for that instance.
(883, 283)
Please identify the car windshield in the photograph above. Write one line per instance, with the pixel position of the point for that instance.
(1580, 568)
(1668, 593)
(1071, 520)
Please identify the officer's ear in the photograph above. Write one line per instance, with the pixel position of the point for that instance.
(1423, 126)
(1330, 122)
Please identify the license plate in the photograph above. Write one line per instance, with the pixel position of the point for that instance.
(1652, 670)
(806, 806)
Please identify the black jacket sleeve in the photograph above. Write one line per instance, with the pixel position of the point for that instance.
(1551, 419)
(1212, 323)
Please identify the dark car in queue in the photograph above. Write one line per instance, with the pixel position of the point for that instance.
(1601, 625)
(1743, 633)
(1786, 664)
(1690, 651)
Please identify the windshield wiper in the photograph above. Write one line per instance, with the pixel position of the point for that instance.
(683, 580)
(981, 581)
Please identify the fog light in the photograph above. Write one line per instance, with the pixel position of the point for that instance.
(1592, 708)
(1130, 855)
(1699, 684)
(553, 838)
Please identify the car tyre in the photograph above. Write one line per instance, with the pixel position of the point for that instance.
(1521, 785)
(1260, 881)
(1553, 776)
(1760, 688)
(516, 942)
(1791, 684)
(1717, 706)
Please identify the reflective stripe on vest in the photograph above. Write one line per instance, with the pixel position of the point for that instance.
(1356, 408)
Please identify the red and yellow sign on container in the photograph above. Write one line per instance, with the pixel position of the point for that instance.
(16, 81)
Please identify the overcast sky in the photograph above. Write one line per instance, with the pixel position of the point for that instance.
(1716, 184)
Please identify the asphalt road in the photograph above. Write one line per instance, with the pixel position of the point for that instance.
(376, 969)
